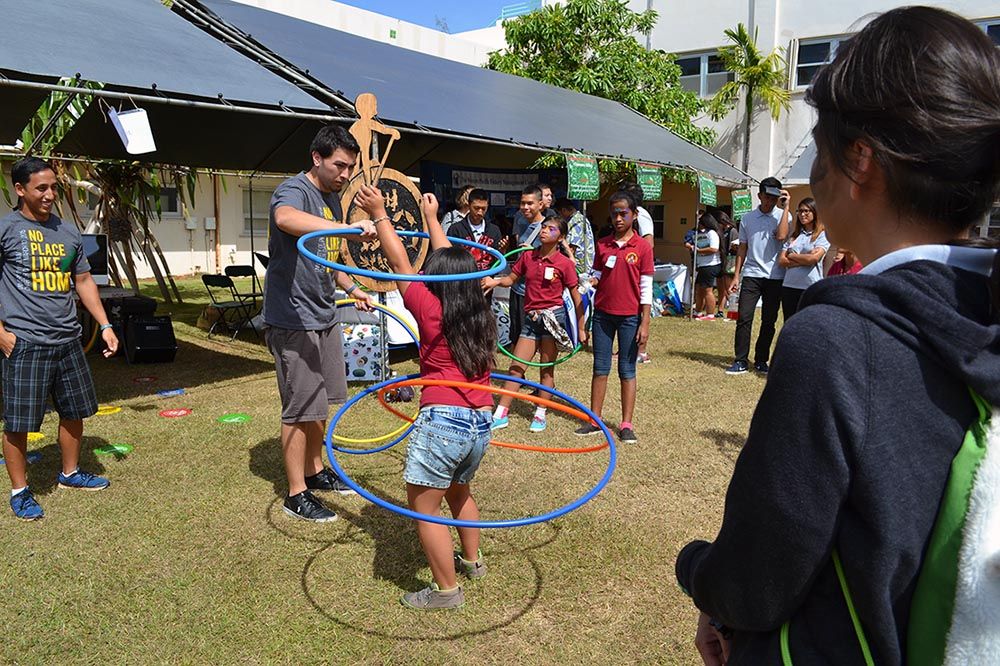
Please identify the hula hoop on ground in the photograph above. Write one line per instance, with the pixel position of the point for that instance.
(533, 364)
(405, 430)
(481, 524)
(389, 277)
(507, 445)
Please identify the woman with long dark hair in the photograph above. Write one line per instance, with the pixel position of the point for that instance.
(458, 336)
(707, 266)
(837, 490)
(802, 256)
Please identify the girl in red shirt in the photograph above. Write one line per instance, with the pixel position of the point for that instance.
(547, 272)
(458, 337)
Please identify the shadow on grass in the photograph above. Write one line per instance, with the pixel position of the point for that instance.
(713, 360)
(729, 443)
(195, 365)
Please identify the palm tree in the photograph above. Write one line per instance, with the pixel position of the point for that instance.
(758, 77)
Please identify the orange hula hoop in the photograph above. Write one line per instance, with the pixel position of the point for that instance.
(491, 389)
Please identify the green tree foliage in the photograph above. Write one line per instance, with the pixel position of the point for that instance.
(590, 46)
(759, 78)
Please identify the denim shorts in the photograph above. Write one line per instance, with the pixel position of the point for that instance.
(446, 445)
(605, 328)
(535, 330)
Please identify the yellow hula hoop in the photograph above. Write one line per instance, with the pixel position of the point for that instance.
(416, 338)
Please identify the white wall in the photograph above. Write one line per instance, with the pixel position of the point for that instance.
(379, 27)
(690, 27)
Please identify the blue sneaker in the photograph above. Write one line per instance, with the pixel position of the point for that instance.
(537, 424)
(737, 368)
(499, 423)
(25, 507)
(83, 481)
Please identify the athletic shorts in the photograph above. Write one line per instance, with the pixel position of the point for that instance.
(34, 372)
(311, 371)
(706, 275)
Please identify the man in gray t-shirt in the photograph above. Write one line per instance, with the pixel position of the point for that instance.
(300, 315)
(758, 274)
(40, 258)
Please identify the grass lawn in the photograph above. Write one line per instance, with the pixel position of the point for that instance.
(188, 557)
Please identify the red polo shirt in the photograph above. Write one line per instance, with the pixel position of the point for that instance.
(545, 278)
(436, 361)
(620, 268)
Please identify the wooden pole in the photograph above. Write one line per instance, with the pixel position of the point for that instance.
(218, 222)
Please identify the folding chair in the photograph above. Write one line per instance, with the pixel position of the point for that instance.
(243, 271)
(234, 311)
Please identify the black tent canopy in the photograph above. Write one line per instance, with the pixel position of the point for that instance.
(511, 119)
(208, 105)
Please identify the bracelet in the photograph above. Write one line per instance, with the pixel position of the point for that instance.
(381, 219)
(350, 290)
(104, 327)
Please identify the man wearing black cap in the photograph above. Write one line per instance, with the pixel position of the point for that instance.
(758, 274)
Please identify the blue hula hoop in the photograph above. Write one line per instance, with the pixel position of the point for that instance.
(406, 433)
(390, 277)
(482, 524)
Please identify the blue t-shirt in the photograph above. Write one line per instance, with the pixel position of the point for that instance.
(801, 277)
(757, 231)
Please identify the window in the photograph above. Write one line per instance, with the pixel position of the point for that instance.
(813, 55)
(656, 212)
(169, 202)
(703, 74)
(992, 29)
(261, 209)
(993, 223)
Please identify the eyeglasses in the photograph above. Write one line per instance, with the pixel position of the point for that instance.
(803, 211)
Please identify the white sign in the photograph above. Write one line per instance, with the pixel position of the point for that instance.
(493, 181)
(133, 128)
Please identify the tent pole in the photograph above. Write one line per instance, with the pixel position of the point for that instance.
(252, 248)
(37, 141)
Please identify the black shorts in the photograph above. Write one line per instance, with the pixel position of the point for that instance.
(34, 372)
(706, 275)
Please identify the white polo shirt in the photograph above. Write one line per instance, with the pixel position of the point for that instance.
(757, 231)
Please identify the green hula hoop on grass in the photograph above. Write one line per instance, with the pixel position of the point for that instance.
(533, 364)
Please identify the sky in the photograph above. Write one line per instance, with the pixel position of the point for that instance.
(460, 15)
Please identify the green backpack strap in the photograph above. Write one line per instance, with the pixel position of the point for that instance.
(786, 653)
(934, 596)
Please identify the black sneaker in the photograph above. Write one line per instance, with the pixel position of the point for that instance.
(327, 479)
(587, 429)
(305, 506)
(761, 367)
(627, 436)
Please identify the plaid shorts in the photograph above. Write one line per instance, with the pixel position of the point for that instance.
(34, 372)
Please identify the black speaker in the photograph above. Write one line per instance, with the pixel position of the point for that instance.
(150, 340)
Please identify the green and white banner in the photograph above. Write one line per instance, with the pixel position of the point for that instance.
(584, 180)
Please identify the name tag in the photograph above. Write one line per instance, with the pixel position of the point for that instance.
(610, 263)
(550, 272)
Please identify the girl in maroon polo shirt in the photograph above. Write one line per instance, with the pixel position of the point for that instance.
(547, 272)
(458, 337)
(623, 270)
